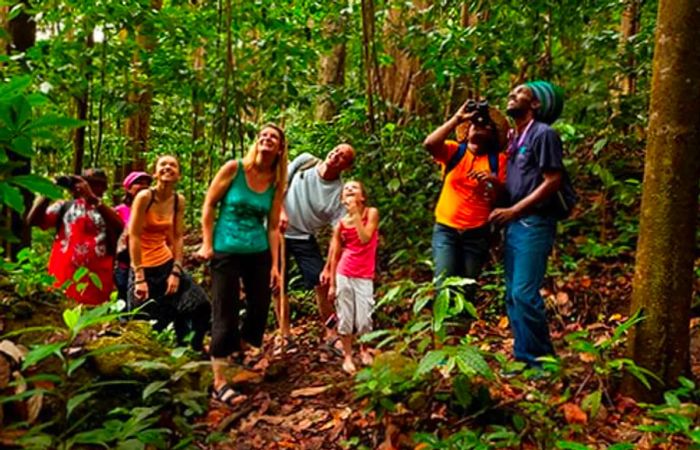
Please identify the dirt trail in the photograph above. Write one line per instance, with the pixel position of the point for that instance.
(300, 400)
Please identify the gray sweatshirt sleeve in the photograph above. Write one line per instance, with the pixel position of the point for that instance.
(296, 164)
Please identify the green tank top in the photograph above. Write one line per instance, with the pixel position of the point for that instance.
(240, 227)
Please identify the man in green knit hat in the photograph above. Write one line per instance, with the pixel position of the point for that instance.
(539, 194)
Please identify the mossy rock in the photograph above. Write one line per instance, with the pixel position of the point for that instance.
(401, 366)
(139, 360)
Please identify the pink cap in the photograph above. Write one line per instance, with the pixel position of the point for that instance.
(133, 176)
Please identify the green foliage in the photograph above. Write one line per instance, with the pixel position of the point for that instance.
(675, 417)
(28, 273)
(466, 439)
(138, 420)
(18, 130)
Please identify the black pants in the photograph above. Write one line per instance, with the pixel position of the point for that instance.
(188, 309)
(226, 270)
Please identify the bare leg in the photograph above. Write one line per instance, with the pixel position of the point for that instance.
(365, 356)
(348, 365)
(325, 308)
(218, 366)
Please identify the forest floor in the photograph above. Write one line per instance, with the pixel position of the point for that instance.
(303, 399)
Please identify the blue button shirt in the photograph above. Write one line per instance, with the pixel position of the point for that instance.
(540, 151)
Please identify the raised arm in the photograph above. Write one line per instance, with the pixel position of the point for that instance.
(217, 190)
(36, 215)
(365, 231)
(435, 141)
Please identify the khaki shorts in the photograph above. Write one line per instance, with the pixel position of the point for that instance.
(354, 302)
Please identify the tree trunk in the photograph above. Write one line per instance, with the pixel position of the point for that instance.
(81, 110)
(370, 68)
(662, 286)
(460, 86)
(402, 80)
(629, 28)
(22, 31)
(140, 98)
(332, 69)
(228, 71)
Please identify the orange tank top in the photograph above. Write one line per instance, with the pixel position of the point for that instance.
(157, 231)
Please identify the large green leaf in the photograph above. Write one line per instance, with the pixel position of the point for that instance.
(41, 352)
(430, 360)
(77, 400)
(440, 308)
(39, 185)
(22, 145)
(11, 196)
(53, 120)
(15, 86)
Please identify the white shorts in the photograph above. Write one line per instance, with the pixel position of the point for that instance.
(354, 301)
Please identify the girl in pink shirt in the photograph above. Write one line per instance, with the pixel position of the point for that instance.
(352, 258)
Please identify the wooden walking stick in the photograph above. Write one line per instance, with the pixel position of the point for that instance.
(283, 300)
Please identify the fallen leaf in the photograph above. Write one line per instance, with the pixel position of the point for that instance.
(15, 352)
(562, 298)
(574, 414)
(587, 357)
(310, 391)
(246, 376)
(503, 323)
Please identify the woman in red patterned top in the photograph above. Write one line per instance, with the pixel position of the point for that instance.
(86, 232)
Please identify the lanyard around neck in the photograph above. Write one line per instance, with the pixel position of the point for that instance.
(521, 138)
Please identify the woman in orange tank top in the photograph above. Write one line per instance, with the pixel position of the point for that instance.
(156, 230)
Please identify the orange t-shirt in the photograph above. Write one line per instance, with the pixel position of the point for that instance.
(157, 231)
(464, 202)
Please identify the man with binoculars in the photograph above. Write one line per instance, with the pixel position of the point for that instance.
(473, 177)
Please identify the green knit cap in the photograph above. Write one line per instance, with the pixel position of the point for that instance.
(551, 99)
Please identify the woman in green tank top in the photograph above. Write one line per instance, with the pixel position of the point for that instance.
(242, 241)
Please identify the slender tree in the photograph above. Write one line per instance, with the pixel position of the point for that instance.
(22, 31)
(663, 279)
(629, 27)
(332, 67)
(140, 95)
(81, 101)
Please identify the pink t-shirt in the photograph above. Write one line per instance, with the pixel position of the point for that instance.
(357, 260)
(124, 212)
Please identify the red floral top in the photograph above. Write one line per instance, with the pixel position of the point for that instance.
(81, 241)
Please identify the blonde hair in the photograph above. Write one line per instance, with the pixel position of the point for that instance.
(280, 164)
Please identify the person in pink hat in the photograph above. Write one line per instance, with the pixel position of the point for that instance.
(133, 183)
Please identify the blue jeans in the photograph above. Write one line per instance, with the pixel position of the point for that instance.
(460, 253)
(528, 242)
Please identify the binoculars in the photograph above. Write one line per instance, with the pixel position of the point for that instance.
(67, 181)
(482, 111)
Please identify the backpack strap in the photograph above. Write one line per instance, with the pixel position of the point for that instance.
(493, 163)
(455, 159)
(152, 200)
(312, 162)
